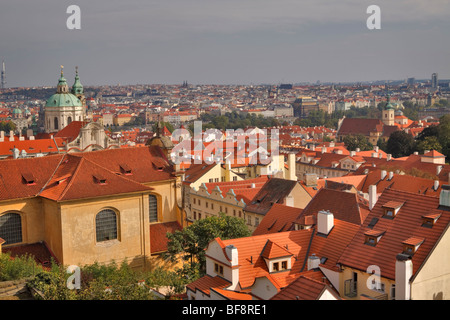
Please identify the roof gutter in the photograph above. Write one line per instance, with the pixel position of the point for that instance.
(309, 248)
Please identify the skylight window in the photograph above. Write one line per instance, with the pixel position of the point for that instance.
(28, 178)
(99, 179)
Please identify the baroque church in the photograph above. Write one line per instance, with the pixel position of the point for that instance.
(65, 116)
(92, 202)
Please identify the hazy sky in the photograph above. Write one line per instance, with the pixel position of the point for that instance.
(223, 41)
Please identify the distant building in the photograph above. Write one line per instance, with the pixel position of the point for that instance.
(304, 105)
(434, 81)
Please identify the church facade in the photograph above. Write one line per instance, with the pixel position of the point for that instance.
(88, 207)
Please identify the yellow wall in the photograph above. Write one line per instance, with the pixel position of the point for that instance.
(362, 288)
(31, 215)
(432, 282)
(79, 242)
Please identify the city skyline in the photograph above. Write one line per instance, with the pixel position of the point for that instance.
(233, 42)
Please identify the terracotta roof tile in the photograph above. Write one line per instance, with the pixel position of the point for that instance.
(279, 218)
(406, 225)
(158, 237)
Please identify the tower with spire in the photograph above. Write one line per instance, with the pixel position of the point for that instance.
(388, 114)
(3, 76)
(65, 105)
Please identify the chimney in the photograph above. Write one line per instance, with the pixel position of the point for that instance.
(444, 197)
(383, 174)
(389, 157)
(16, 153)
(376, 148)
(232, 253)
(438, 170)
(403, 273)
(252, 186)
(391, 175)
(292, 167)
(373, 197)
(352, 153)
(436, 185)
(11, 135)
(310, 179)
(2, 136)
(358, 150)
(313, 262)
(325, 222)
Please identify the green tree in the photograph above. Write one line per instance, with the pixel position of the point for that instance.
(192, 241)
(429, 143)
(357, 141)
(444, 134)
(400, 144)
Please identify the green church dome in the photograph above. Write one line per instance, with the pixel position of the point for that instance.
(62, 97)
(63, 100)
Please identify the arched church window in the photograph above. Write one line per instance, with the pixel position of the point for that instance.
(56, 123)
(106, 225)
(11, 228)
(69, 120)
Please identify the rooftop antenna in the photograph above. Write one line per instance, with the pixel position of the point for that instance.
(3, 76)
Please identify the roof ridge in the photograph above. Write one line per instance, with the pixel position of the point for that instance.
(72, 178)
(52, 175)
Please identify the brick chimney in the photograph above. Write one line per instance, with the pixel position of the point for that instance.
(310, 179)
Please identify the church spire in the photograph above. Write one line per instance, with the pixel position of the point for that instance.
(62, 83)
(77, 88)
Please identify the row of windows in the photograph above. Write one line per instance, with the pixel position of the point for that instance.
(198, 216)
(106, 224)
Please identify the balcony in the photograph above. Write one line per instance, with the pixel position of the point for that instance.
(350, 288)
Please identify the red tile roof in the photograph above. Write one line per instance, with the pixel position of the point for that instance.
(39, 251)
(158, 237)
(71, 131)
(78, 178)
(204, 284)
(72, 176)
(279, 218)
(304, 288)
(357, 125)
(405, 226)
(345, 206)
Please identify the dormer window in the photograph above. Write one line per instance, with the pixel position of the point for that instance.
(428, 221)
(411, 245)
(391, 209)
(277, 258)
(372, 237)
